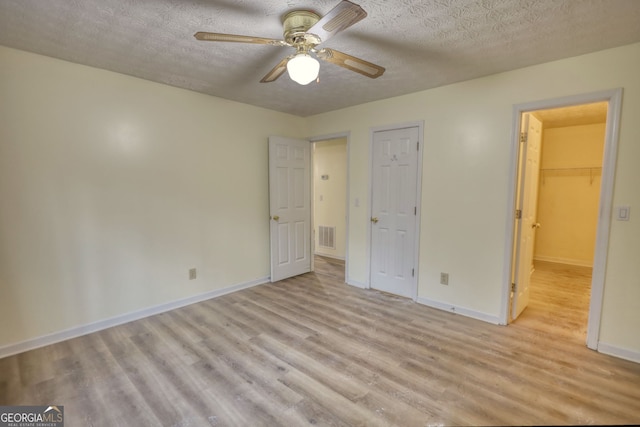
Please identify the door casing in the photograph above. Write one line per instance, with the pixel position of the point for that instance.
(614, 99)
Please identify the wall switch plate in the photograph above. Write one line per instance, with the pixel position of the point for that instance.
(192, 273)
(623, 213)
(444, 278)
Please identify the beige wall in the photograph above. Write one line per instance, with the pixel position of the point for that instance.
(466, 176)
(330, 196)
(112, 187)
(569, 193)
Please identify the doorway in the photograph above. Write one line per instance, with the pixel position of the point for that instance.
(564, 213)
(329, 200)
(570, 177)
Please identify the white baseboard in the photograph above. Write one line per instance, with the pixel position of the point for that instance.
(569, 261)
(357, 284)
(622, 353)
(55, 337)
(459, 310)
(341, 258)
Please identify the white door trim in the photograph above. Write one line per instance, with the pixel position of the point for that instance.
(416, 249)
(614, 98)
(338, 135)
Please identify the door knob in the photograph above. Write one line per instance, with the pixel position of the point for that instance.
(275, 217)
(374, 219)
(535, 225)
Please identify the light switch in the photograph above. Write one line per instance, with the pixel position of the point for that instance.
(623, 213)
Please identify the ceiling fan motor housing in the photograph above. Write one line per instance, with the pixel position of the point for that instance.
(296, 23)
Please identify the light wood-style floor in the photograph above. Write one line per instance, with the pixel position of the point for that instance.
(559, 304)
(312, 350)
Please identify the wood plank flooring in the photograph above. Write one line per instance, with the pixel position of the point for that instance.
(312, 350)
(560, 296)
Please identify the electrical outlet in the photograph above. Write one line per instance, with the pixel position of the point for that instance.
(444, 278)
(192, 273)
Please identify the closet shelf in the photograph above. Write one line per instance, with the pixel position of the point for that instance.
(573, 171)
(587, 169)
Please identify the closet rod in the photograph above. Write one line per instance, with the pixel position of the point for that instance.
(570, 169)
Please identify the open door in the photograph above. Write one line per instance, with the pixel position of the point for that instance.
(290, 207)
(526, 202)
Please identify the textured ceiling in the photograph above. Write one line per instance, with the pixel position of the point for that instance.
(586, 114)
(421, 43)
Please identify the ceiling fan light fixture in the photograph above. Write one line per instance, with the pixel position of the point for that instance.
(303, 69)
(304, 31)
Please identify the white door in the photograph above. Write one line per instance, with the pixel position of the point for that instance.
(289, 203)
(393, 210)
(527, 199)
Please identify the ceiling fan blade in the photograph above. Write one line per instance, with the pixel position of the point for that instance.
(344, 15)
(219, 37)
(351, 63)
(276, 71)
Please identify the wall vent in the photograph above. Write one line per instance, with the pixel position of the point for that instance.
(326, 237)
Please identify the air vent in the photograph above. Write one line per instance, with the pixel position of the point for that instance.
(327, 237)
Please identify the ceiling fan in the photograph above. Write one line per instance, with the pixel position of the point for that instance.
(304, 30)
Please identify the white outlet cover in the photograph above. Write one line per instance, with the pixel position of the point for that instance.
(623, 213)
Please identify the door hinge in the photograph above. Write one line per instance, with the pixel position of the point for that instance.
(415, 210)
(513, 287)
(413, 272)
(518, 214)
(418, 146)
(523, 136)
